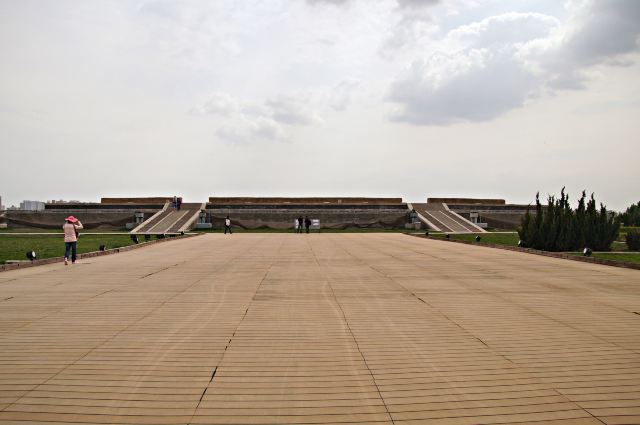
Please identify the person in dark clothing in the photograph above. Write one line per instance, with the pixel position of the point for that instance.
(307, 223)
(300, 224)
(179, 203)
(227, 226)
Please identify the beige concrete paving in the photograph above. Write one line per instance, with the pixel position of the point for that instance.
(320, 328)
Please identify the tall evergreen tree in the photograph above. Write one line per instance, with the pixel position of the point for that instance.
(631, 217)
(580, 223)
(559, 228)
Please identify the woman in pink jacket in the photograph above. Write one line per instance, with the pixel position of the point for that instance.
(70, 227)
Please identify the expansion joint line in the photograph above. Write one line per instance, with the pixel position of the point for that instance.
(111, 338)
(246, 311)
(344, 317)
(355, 341)
(471, 334)
(422, 300)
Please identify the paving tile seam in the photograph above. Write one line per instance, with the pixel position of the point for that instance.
(346, 322)
(457, 324)
(414, 295)
(221, 360)
(566, 324)
(104, 342)
(161, 270)
(520, 305)
(422, 404)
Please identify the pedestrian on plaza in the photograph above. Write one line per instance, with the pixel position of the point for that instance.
(307, 223)
(70, 228)
(300, 224)
(295, 225)
(179, 203)
(227, 226)
(174, 203)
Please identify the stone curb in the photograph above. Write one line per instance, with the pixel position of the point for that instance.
(612, 263)
(54, 260)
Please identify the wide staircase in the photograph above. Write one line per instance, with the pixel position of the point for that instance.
(439, 217)
(171, 221)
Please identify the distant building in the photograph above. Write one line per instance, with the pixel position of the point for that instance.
(32, 206)
(61, 201)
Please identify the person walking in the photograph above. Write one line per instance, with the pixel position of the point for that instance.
(179, 203)
(70, 228)
(300, 224)
(307, 223)
(227, 226)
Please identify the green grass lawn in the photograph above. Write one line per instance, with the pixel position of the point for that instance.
(29, 230)
(630, 257)
(57, 230)
(512, 239)
(626, 257)
(493, 238)
(14, 247)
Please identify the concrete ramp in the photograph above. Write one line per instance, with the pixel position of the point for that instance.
(439, 217)
(170, 221)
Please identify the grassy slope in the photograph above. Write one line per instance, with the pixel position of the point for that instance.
(14, 247)
(494, 238)
(37, 230)
(627, 257)
(512, 239)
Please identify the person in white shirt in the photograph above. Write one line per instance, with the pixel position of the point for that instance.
(227, 225)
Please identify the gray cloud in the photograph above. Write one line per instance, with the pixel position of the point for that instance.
(416, 4)
(341, 94)
(218, 104)
(490, 86)
(600, 32)
(334, 2)
(412, 27)
(292, 110)
(252, 130)
(245, 121)
(507, 59)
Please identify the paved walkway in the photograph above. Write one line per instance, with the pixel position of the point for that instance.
(321, 328)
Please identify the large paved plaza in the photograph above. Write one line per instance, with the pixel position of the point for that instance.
(321, 328)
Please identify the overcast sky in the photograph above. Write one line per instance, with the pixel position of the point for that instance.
(410, 98)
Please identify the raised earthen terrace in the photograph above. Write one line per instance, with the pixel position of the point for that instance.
(320, 329)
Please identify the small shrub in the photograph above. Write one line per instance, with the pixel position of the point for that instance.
(633, 240)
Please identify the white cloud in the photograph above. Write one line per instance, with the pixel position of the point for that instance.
(413, 26)
(218, 104)
(246, 121)
(475, 86)
(334, 2)
(341, 94)
(598, 32)
(500, 62)
(249, 130)
(293, 109)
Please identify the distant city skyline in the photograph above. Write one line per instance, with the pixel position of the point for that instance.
(410, 98)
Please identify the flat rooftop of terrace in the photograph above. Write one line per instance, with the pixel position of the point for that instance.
(320, 328)
(304, 200)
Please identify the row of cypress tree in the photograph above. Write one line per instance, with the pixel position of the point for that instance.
(557, 227)
(631, 217)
